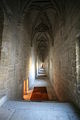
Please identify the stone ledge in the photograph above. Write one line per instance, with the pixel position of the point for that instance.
(3, 99)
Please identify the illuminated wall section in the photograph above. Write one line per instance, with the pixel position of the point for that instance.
(32, 68)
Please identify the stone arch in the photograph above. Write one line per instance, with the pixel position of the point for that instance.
(41, 25)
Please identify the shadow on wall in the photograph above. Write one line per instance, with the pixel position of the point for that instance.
(1, 28)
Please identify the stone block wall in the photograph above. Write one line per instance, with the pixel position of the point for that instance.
(14, 66)
(64, 58)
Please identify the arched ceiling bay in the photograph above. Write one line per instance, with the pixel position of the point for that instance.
(42, 34)
(42, 16)
(42, 30)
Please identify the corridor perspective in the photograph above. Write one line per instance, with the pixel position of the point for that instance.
(41, 90)
(39, 59)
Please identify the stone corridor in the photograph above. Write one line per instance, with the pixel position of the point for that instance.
(42, 81)
(39, 51)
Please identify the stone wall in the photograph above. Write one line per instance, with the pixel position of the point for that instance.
(32, 68)
(14, 67)
(64, 57)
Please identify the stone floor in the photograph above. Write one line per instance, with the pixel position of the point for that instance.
(15, 110)
(48, 110)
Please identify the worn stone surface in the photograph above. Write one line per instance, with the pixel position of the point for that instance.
(43, 111)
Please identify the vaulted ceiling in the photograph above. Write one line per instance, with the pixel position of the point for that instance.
(42, 31)
(43, 18)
